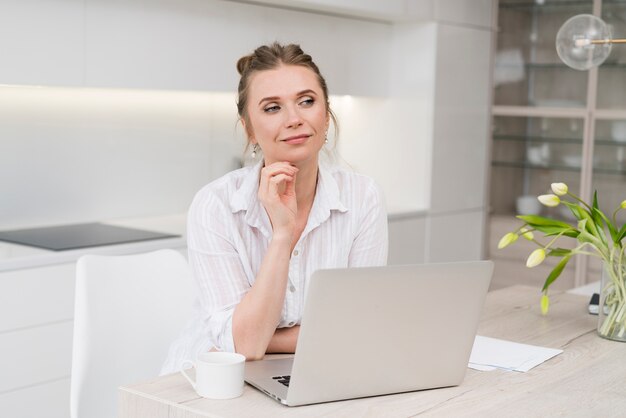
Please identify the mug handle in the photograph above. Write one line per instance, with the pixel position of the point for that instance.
(182, 370)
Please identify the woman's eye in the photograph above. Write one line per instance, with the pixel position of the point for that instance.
(307, 102)
(271, 109)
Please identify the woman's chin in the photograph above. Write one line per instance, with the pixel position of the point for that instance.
(295, 157)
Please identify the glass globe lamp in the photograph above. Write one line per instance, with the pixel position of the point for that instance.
(584, 42)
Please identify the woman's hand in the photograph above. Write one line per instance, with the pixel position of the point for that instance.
(277, 193)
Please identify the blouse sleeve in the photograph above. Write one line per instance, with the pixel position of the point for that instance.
(369, 248)
(218, 273)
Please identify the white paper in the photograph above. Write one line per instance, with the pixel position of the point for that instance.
(491, 353)
(481, 367)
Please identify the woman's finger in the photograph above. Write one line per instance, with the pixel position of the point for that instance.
(275, 169)
(290, 187)
(278, 182)
(271, 171)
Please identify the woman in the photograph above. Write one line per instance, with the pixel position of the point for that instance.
(257, 234)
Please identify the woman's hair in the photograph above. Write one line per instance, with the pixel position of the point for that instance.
(269, 57)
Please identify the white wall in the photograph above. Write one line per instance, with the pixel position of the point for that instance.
(387, 139)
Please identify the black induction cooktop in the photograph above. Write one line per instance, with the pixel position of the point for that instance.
(76, 236)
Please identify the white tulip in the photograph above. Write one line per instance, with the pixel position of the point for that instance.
(549, 200)
(559, 189)
(536, 257)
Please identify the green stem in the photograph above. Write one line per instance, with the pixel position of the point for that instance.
(520, 233)
(580, 200)
(615, 214)
(614, 295)
(587, 253)
(602, 254)
(619, 277)
(554, 239)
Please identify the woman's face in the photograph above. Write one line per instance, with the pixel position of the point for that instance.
(287, 114)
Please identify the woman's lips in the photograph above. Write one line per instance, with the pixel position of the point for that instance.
(298, 139)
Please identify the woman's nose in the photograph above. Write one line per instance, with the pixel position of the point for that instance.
(294, 119)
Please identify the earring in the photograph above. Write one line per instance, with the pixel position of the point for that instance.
(256, 146)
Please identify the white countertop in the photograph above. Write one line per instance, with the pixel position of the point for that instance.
(396, 214)
(14, 256)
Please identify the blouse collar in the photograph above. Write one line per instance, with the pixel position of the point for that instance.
(327, 199)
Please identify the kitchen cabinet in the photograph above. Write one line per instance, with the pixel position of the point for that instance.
(389, 10)
(178, 45)
(424, 237)
(407, 238)
(33, 296)
(36, 325)
(551, 123)
(451, 11)
(194, 45)
(24, 363)
(50, 400)
(184, 45)
(455, 237)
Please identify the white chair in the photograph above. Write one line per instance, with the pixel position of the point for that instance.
(128, 309)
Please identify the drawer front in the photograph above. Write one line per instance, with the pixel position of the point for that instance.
(35, 355)
(36, 296)
(50, 400)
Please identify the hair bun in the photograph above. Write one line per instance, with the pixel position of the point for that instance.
(244, 63)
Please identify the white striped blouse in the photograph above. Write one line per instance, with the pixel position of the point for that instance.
(228, 232)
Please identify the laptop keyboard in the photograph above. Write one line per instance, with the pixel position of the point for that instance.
(282, 379)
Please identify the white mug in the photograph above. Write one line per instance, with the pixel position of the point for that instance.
(219, 375)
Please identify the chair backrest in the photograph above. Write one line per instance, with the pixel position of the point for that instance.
(128, 309)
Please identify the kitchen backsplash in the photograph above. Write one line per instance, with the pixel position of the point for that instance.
(77, 154)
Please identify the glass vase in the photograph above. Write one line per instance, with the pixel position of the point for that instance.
(612, 309)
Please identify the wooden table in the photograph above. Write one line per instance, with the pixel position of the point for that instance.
(587, 379)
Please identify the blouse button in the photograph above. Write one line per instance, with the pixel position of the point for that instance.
(292, 288)
(295, 252)
(291, 324)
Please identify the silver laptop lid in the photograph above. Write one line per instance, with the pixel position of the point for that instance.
(381, 330)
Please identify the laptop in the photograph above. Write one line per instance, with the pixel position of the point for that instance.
(379, 330)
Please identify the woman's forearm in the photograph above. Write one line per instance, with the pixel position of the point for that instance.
(284, 340)
(257, 315)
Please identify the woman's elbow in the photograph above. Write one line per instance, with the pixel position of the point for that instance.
(248, 343)
(252, 354)
(255, 357)
(250, 349)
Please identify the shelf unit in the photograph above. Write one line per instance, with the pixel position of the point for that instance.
(552, 123)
